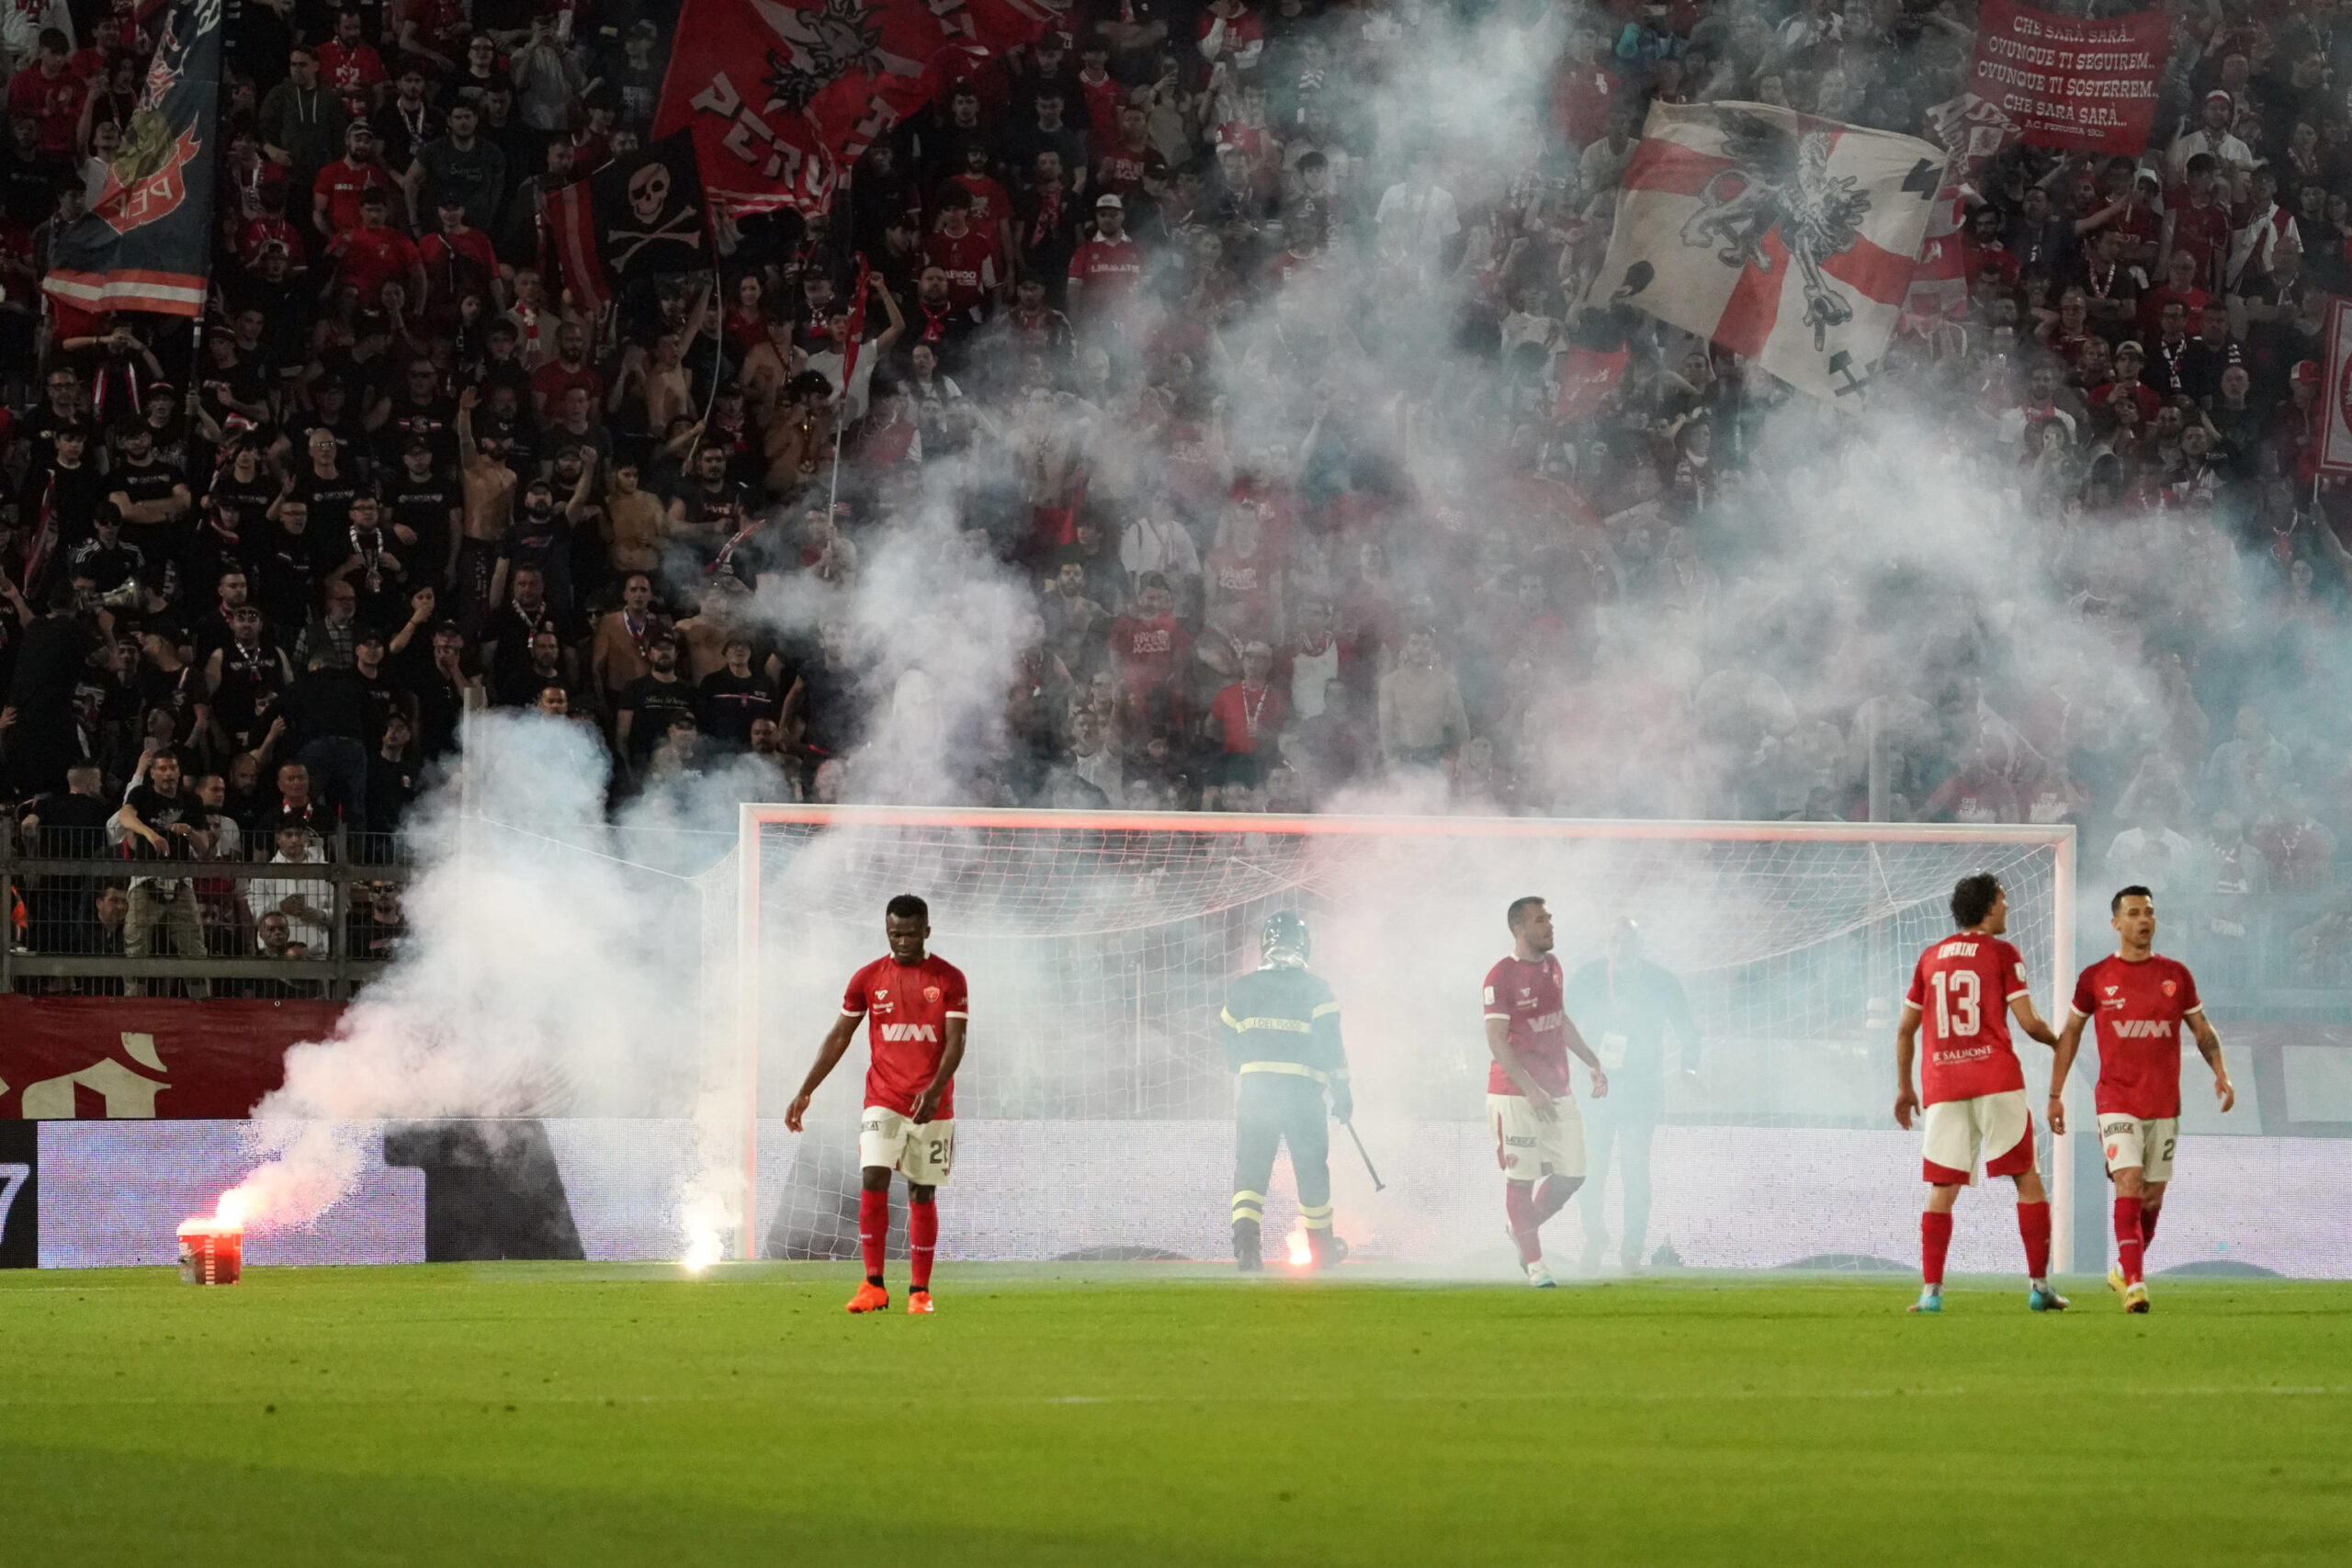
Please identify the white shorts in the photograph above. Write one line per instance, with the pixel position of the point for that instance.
(920, 1154)
(1528, 1147)
(2148, 1144)
(1998, 1126)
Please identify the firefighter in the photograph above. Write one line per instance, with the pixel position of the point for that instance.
(1281, 1040)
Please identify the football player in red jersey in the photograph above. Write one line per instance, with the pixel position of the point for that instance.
(1539, 1133)
(915, 1007)
(1964, 989)
(2140, 1001)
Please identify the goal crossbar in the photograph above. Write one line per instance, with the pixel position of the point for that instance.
(2060, 840)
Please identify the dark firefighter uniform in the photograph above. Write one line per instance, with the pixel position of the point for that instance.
(1281, 1040)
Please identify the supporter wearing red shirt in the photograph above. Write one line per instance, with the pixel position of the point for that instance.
(568, 368)
(1104, 95)
(1230, 35)
(94, 63)
(1244, 718)
(349, 64)
(2180, 284)
(51, 92)
(1148, 643)
(376, 254)
(2199, 224)
(342, 186)
(457, 261)
(2128, 359)
(991, 211)
(1133, 163)
(1584, 94)
(968, 257)
(1105, 270)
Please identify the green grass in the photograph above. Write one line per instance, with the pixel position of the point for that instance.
(561, 1413)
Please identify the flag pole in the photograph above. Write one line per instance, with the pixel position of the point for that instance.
(718, 363)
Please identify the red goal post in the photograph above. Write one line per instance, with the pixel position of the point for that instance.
(996, 870)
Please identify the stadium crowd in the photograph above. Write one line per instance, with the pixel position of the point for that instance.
(1268, 379)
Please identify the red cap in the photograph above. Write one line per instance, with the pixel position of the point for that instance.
(2307, 372)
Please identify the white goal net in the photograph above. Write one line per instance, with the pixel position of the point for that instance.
(1094, 1107)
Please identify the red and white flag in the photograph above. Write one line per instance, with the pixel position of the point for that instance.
(1788, 239)
(1586, 376)
(1972, 129)
(2335, 407)
(783, 96)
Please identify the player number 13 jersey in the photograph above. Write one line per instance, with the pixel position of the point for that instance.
(1961, 988)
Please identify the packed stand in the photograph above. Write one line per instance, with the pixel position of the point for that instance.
(1251, 366)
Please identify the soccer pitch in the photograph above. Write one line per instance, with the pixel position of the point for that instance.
(1160, 1414)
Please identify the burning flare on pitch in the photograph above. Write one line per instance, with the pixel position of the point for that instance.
(1301, 1254)
(212, 1250)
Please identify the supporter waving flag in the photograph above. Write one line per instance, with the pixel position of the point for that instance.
(146, 242)
(639, 216)
(782, 96)
(1786, 238)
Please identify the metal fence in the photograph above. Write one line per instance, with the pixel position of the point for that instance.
(85, 920)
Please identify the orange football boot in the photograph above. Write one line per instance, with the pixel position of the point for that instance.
(870, 1297)
(919, 1301)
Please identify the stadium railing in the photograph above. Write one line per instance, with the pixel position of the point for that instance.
(50, 879)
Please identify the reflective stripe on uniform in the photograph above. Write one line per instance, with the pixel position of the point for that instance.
(1249, 1205)
(1287, 1025)
(1324, 1010)
(1296, 1069)
(1315, 1216)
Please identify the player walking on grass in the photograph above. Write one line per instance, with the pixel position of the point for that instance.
(1539, 1136)
(1965, 991)
(2140, 999)
(915, 1007)
(1281, 1040)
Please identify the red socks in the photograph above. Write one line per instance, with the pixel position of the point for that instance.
(923, 1239)
(1552, 1196)
(2147, 1231)
(872, 1230)
(2033, 1223)
(2130, 1238)
(1935, 1240)
(1519, 1204)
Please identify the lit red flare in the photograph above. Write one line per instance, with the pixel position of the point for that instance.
(212, 1250)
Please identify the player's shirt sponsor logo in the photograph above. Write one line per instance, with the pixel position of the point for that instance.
(896, 1033)
(2142, 1029)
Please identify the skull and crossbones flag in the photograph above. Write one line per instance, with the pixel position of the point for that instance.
(638, 217)
(1786, 238)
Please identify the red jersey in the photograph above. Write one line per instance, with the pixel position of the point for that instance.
(1109, 268)
(991, 203)
(1961, 988)
(906, 1007)
(343, 184)
(373, 257)
(2137, 1008)
(1529, 996)
(1144, 648)
(969, 261)
(354, 73)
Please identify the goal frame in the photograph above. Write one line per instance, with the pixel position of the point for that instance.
(751, 817)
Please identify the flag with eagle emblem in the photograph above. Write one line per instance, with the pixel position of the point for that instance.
(783, 96)
(1786, 238)
(146, 242)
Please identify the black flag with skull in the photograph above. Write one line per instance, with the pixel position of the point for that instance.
(648, 208)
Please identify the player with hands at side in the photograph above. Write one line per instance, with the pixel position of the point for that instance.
(1281, 1027)
(2140, 999)
(916, 1009)
(1965, 991)
(1539, 1133)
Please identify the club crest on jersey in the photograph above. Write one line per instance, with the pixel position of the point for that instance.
(931, 993)
(2170, 986)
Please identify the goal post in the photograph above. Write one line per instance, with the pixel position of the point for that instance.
(1097, 943)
